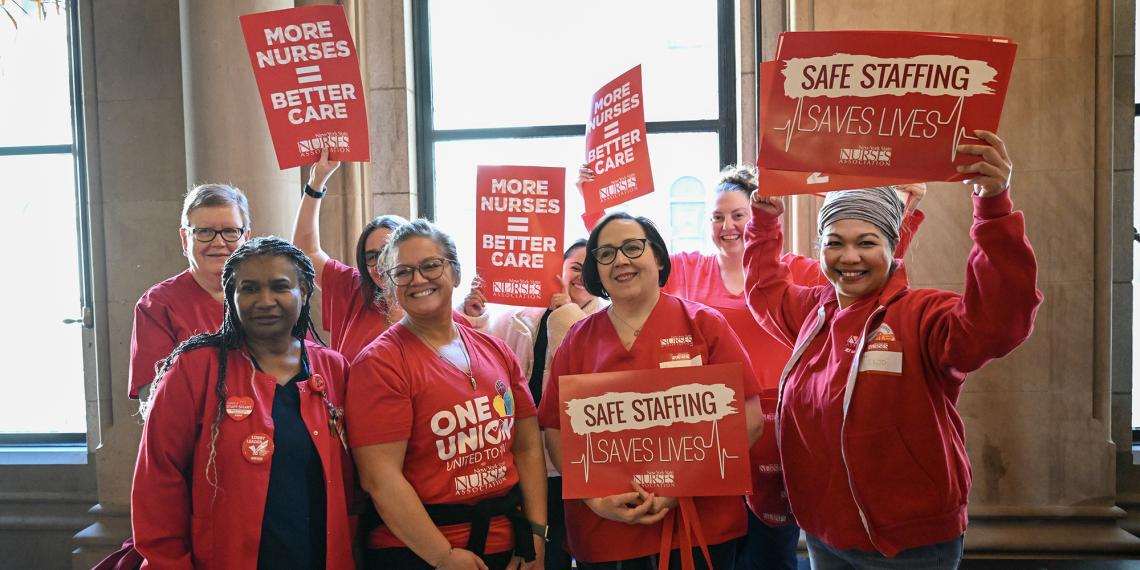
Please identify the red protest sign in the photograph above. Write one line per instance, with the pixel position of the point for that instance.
(879, 106)
(678, 431)
(519, 223)
(308, 75)
(616, 149)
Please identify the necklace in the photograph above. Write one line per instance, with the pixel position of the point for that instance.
(469, 373)
(636, 330)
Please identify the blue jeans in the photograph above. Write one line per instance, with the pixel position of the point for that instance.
(941, 556)
(766, 547)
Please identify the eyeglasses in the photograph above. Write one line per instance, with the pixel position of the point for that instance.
(371, 258)
(207, 235)
(430, 268)
(630, 248)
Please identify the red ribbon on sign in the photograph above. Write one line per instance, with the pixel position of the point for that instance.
(689, 525)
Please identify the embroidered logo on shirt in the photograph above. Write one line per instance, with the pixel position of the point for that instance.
(852, 342)
(883, 353)
(680, 340)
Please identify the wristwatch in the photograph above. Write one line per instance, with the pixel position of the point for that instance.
(541, 530)
(318, 195)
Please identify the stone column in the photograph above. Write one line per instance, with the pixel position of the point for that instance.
(227, 139)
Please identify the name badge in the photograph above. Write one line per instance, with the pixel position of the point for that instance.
(681, 362)
(886, 362)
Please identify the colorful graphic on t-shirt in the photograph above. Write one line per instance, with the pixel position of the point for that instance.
(504, 403)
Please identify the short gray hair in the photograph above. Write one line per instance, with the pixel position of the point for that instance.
(214, 195)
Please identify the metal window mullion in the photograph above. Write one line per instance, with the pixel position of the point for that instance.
(36, 149)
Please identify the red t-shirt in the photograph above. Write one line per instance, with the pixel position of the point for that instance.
(459, 439)
(167, 314)
(592, 345)
(351, 322)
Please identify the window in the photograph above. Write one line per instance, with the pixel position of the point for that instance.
(42, 219)
(512, 86)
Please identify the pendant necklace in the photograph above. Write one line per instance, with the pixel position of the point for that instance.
(636, 331)
(470, 372)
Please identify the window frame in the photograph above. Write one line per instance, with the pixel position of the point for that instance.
(77, 149)
(725, 126)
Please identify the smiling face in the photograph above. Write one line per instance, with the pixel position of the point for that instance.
(628, 280)
(268, 295)
(424, 298)
(856, 258)
(572, 276)
(372, 247)
(729, 216)
(208, 258)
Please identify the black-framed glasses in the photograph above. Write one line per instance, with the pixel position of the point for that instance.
(207, 235)
(430, 268)
(371, 258)
(631, 248)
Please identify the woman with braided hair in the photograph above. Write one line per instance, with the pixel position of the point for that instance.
(243, 462)
(870, 438)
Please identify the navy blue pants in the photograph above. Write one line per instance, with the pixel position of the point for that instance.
(768, 547)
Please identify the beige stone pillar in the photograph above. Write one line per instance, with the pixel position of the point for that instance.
(227, 139)
(1037, 421)
(390, 178)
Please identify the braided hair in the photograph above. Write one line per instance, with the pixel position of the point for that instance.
(231, 335)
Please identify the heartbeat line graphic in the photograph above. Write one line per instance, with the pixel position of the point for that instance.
(586, 459)
(791, 125)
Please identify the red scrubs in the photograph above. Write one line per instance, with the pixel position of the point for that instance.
(459, 438)
(188, 514)
(167, 314)
(592, 345)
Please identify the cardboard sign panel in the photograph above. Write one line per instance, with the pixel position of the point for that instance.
(307, 72)
(678, 431)
(519, 223)
(616, 149)
(879, 105)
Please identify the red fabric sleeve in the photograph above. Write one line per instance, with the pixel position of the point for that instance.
(339, 283)
(907, 232)
(725, 346)
(151, 340)
(520, 387)
(999, 303)
(378, 406)
(777, 302)
(161, 492)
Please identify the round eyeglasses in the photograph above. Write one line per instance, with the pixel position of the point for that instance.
(430, 268)
(631, 248)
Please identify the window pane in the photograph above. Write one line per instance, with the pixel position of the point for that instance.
(674, 156)
(527, 63)
(35, 96)
(43, 394)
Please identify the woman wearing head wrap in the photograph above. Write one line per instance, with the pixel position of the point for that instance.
(872, 445)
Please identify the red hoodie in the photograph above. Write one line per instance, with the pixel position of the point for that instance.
(874, 456)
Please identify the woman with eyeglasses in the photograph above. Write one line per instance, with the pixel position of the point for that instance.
(243, 462)
(628, 263)
(442, 427)
(215, 222)
(354, 307)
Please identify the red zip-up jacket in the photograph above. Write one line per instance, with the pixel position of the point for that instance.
(874, 455)
(181, 519)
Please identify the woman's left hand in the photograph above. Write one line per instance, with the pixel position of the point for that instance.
(656, 503)
(911, 195)
(995, 169)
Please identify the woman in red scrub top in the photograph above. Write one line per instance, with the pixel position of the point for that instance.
(243, 462)
(871, 441)
(353, 306)
(443, 429)
(215, 222)
(628, 263)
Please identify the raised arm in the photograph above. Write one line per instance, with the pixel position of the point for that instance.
(777, 302)
(307, 226)
(999, 302)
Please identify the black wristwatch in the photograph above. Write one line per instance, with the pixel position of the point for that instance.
(540, 530)
(318, 195)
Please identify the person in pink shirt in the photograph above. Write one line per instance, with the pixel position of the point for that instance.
(215, 222)
(871, 442)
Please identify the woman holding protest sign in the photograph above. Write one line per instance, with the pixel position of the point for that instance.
(872, 445)
(243, 461)
(215, 222)
(717, 280)
(353, 306)
(441, 424)
(535, 334)
(644, 329)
